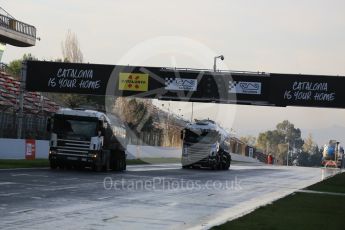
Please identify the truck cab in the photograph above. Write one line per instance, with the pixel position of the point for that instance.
(205, 144)
(86, 138)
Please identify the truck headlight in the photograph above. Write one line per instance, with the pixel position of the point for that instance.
(93, 155)
(52, 152)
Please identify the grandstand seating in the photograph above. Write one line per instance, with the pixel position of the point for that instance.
(34, 102)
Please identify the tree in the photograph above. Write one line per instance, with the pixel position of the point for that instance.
(71, 51)
(316, 158)
(14, 68)
(74, 101)
(291, 134)
(303, 159)
(269, 141)
(136, 114)
(276, 141)
(311, 150)
(249, 140)
(309, 145)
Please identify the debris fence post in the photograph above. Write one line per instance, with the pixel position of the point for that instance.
(21, 100)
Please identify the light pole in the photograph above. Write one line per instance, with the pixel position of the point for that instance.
(191, 118)
(287, 155)
(167, 125)
(21, 100)
(215, 62)
(288, 148)
(336, 153)
(342, 160)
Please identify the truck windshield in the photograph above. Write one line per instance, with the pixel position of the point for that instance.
(205, 137)
(72, 127)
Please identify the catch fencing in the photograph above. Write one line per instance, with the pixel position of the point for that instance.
(34, 126)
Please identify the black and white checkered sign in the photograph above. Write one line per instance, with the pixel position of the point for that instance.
(169, 80)
(181, 84)
(232, 84)
(244, 87)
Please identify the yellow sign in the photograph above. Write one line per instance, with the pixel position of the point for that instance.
(133, 81)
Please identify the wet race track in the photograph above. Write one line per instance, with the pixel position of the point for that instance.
(145, 196)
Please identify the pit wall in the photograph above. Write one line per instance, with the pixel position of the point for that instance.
(136, 151)
(16, 149)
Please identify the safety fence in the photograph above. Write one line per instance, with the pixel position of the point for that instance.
(34, 126)
(155, 138)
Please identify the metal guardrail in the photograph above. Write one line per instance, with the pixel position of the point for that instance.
(18, 26)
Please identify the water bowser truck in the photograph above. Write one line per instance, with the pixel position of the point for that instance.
(205, 144)
(86, 138)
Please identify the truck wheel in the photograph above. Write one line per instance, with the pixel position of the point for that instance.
(53, 164)
(226, 162)
(124, 165)
(68, 166)
(218, 163)
(118, 165)
(123, 161)
(97, 167)
(106, 166)
(118, 161)
(79, 167)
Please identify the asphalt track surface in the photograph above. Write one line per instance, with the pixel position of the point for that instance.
(143, 197)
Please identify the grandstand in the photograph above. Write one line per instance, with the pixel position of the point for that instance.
(34, 102)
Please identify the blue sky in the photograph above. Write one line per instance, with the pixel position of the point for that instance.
(305, 36)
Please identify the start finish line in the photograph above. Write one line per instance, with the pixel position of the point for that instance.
(193, 85)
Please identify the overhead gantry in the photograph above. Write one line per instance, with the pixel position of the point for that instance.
(193, 85)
